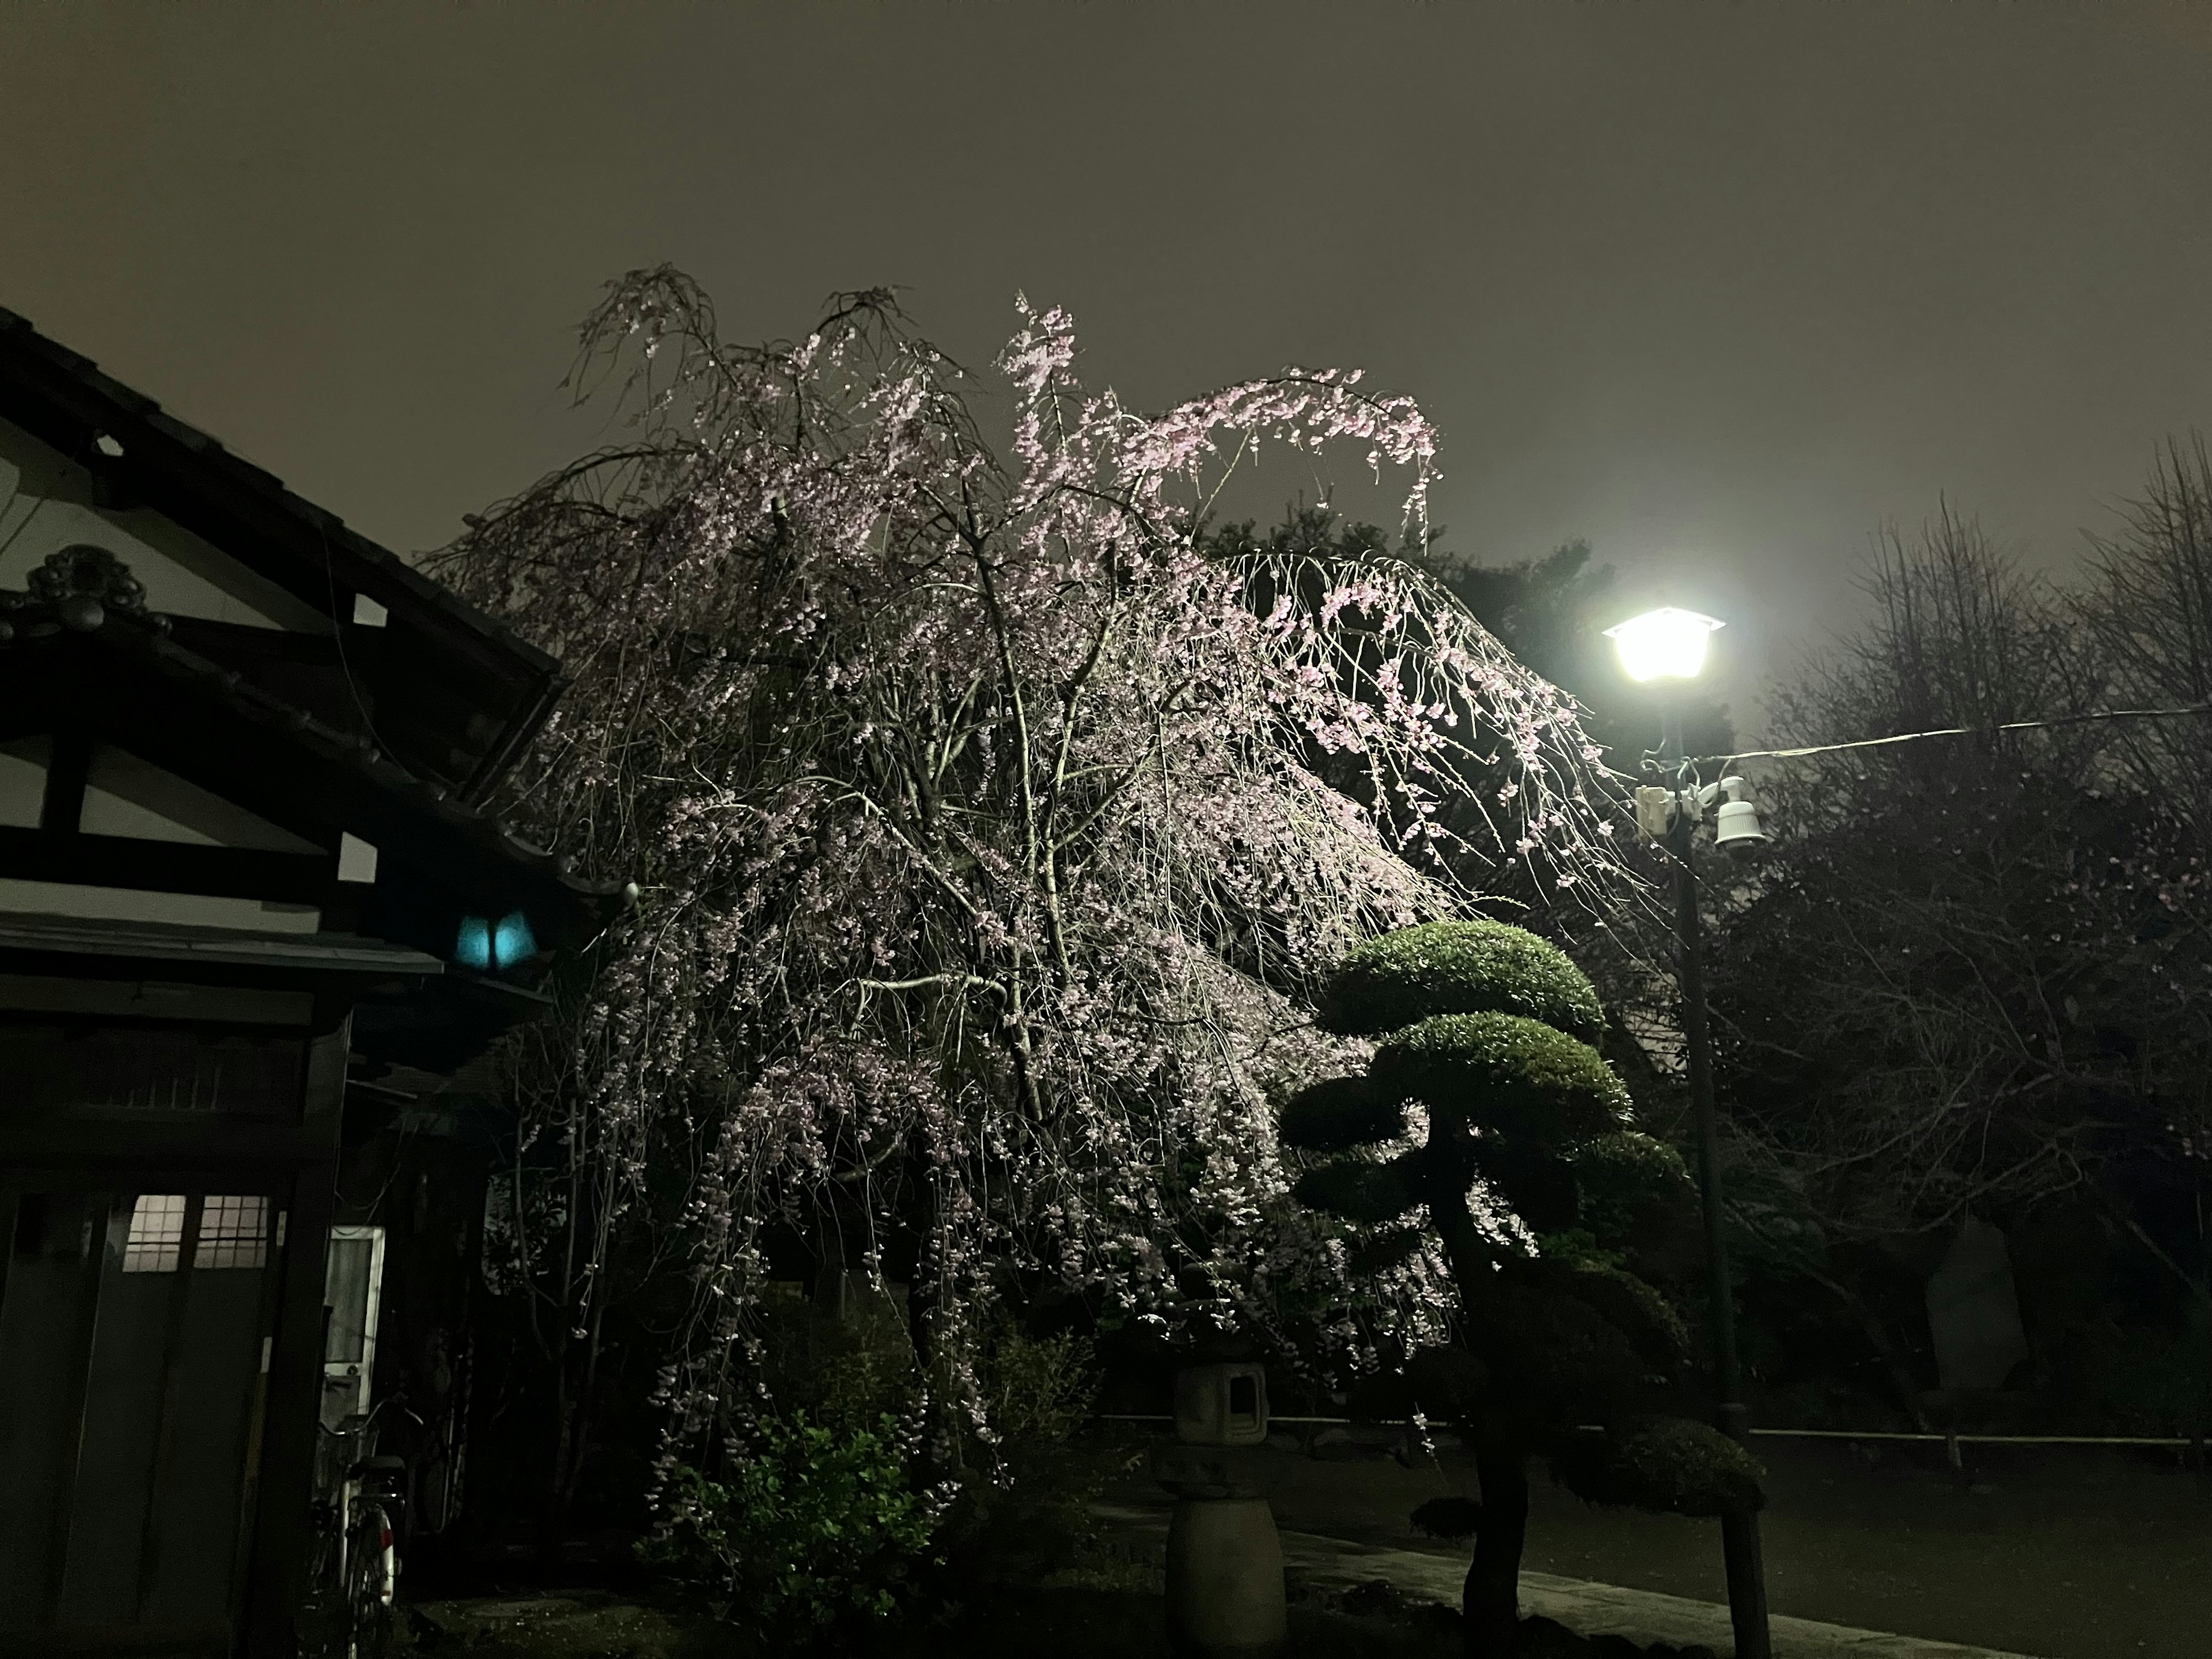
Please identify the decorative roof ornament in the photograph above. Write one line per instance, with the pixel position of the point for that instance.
(76, 587)
(83, 583)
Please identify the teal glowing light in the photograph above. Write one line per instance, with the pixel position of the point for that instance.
(473, 949)
(513, 942)
(485, 946)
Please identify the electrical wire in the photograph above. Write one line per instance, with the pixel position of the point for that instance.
(1725, 760)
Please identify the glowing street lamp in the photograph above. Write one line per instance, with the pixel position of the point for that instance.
(1669, 644)
(1666, 644)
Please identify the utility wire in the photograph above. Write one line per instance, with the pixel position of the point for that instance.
(1951, 732)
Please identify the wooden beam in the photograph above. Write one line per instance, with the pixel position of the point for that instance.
(188, 1143)
(67, 767)
(165, 1433)
(166, 866)
(97, 1206)
(272, 1293)
(277, 1577)
(276, 1580)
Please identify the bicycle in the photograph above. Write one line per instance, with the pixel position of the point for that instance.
(353, 1558)
(373, 1559)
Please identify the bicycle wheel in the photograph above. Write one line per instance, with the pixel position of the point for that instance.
(369, 1601)
(325, 1610)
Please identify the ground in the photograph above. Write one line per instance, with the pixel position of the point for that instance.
(2060, 1553)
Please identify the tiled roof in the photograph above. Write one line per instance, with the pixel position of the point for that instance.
(57, 376)
(144, 637)
(155, 941)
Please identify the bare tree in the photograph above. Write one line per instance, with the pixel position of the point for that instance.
(2147, 611)
(1968, 974)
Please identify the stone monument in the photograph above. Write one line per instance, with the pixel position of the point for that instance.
(1973, 1311)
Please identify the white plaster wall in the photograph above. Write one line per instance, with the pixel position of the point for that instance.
(46, 504)
(125, 795)
(23, 781)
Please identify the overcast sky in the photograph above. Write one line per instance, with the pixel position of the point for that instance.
(1722, 287)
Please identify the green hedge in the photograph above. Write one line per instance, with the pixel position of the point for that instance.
(1458, 968)
(817, 1528)
(1505, 1071)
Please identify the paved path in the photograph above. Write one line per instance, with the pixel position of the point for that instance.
(1584, 1606)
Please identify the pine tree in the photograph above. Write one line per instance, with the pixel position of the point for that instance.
(1486, 1123)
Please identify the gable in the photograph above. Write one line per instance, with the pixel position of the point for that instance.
(451, 693)
(48, 502)
(126, 795)
(122, 800)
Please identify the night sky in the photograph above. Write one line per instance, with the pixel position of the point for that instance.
(1721, 287)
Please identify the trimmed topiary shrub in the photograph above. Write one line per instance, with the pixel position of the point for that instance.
(1668, 1466)
(1483, 1027)
(1537, 1085)
(1459, 967)
(1359, 1189)
(1343, 1112)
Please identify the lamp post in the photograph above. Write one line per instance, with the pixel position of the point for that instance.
(1668, 645)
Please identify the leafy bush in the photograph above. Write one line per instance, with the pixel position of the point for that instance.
(1459, 967)
(1039, 1390)
(1622, 1176)
(818, 1528)
(1639, 1312)
(1552, 1355)
(1028, 1521)
(1447, 1381)
(1022, 1515)
(1358, 1188)
(843, 1373)
(2153, 1382)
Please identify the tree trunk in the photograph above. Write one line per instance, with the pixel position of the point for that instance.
(1492, 1601)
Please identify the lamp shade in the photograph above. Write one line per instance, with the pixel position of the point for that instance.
(1736, 823)
(1666, 644)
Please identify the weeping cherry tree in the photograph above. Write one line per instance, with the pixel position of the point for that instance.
(987, 825)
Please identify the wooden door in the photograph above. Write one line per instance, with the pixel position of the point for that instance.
(135, 1332)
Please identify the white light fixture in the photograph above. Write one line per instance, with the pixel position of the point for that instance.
(1737, 822)
(1667, 643)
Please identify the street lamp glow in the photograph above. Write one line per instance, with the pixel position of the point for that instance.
(1666, 644)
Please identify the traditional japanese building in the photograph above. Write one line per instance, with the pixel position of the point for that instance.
(254, 920)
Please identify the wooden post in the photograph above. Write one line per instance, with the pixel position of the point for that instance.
(277, 1576)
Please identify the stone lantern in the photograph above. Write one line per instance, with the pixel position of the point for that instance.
(1224, 1568)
